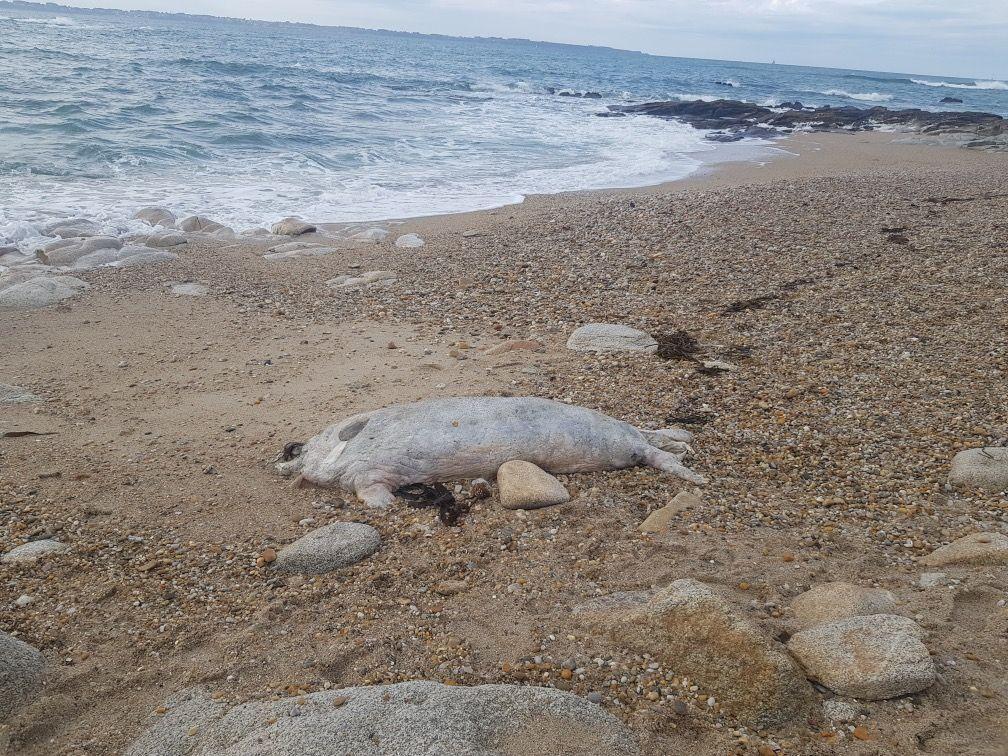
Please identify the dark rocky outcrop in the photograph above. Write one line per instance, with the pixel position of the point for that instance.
(950, 99)
(736, 120)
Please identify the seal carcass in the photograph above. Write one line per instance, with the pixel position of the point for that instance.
(375, 453)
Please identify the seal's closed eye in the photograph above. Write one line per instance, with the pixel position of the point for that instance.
(352, 430)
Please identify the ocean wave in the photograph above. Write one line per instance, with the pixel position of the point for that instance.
(61, 21)
(954, 85)
(862, 96)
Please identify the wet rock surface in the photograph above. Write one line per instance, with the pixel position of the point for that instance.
(737, 120)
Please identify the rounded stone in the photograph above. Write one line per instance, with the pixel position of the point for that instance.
(20, 673)
(155, 216)
(609, 337)
(417, 717)
(33, 550)
(527, 486)
(871, 658)
(329, 548)
(985, 468)
(292, 227)
(976, 548)
(41, 291)
(833, 601)
(409, 241)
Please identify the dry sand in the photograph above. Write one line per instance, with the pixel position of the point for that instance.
(872, 362)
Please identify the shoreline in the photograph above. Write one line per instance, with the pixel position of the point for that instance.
(795, 156)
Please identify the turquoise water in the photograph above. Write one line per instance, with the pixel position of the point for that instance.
(248, 122)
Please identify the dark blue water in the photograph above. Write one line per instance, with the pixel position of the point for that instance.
(247, 122)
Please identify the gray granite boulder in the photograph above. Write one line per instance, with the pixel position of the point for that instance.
(20, 673)
(292, 227)
(985, 468)
(976, 548)
(155, 216)
(40, 291)
(329, 548)
(833, 601)
(409, 241)
(198, 224)
(871, 658)
(34, 550)
(165, 239)
(418, 717)
(608, 337)
(71, 228)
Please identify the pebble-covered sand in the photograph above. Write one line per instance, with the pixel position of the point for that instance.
(855, 331)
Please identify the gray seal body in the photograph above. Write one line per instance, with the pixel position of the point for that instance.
(374, 453)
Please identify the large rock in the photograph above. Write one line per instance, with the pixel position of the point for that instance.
(156, 216)
(198, 224)
(129, 256)
(526, 486)
(20, 673)
(697, 633)
(976, 548)
(292, 227)
(409, 241)
(985, 468)
(833, 601)
(41, 291)
(608, 337)
(371, 235)
(871, 658)
(329, 548)
(165, 239)
(71, 228)
(418, 717)
(34, 550)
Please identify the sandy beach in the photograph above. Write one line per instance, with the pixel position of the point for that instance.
(852, 291)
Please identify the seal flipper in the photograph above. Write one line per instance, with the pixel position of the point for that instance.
(670, 463)
(376, 496)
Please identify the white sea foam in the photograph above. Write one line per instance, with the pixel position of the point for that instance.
(958, 85)
(418, 180)
(863, 96)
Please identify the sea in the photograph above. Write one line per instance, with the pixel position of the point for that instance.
(247, 122)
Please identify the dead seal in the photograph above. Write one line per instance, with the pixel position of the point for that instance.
(375, 453)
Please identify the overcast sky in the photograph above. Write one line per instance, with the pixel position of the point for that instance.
(954, 37)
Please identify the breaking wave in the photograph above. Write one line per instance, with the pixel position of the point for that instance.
(953, 85)
(862, 96)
